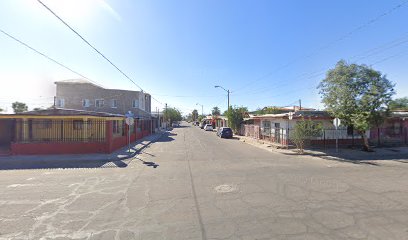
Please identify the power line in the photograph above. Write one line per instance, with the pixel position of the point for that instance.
(89, 44)
(54, 61)
(44, 55)
(341, 38)
(94, 48)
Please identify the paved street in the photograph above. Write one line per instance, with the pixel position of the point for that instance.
(193, 185)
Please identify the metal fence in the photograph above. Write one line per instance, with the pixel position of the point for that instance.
(327, 137)
(390, 136)
(60, 131)
(282, 136)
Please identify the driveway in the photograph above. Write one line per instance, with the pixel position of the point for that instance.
(192, 185)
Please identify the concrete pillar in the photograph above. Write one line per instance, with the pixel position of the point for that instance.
(109, 136)
(24, 129)
(85, 129)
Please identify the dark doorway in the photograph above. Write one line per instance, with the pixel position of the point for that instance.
(6, 134)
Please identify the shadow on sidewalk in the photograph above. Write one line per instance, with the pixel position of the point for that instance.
(357, 156)
(119, 159)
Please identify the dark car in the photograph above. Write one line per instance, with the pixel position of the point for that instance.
(225, 132)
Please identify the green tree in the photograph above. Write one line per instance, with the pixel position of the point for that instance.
(399, 104)
(195, 115)
(1, 110)
(37, 109)
(357, 94)
(303, 131)
(235, 117)
(172, 115)
(216, 111)
(19, 107)
(270, 110)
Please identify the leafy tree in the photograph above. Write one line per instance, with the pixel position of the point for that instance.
(303, 131)
(195, 115)
(172, 114)
(37, 109)
(1, 110)
(399, 104)
(235, 117)
(270, 110)
(357, 94)
(19, 107)
(216, 111)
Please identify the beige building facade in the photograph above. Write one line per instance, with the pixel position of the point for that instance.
(84, 95)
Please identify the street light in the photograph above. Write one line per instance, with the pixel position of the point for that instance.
(202, 114)
(228, 92)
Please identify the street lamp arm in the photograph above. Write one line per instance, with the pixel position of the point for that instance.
(221, 87)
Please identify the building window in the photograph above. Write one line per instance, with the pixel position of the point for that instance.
(99, 103)
(86, 103)
(77, 124)
(60, 102)
(114, 103)
(397, 128)
(116, 128)
(135, 103)
(266, 127)
(45, 124)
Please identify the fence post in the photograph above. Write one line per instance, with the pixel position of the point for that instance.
(378, 137)
(324, 138)
(352, 139)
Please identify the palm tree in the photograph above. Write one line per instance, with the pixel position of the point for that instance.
(216, 111)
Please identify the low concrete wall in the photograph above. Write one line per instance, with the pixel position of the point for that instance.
(58, 148)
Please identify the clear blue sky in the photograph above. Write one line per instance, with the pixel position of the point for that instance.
(265, 52)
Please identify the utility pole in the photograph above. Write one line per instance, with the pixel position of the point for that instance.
(202, 107)
(228, 92)
(164, 115)
(228, 98)
(300, 104)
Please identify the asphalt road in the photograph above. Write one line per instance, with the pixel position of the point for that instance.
(193, 185)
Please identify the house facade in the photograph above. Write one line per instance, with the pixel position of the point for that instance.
(84, 95)
(67, 131)
(277, 129)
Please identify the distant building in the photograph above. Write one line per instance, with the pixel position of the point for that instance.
(81, 94)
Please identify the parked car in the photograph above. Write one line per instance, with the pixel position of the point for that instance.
(224, 132)
(208, 127)
(202, 125)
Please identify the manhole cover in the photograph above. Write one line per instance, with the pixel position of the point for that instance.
(225, 188)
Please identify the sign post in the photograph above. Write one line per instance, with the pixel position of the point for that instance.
(290, 117)
(129, 122)
(336, 123)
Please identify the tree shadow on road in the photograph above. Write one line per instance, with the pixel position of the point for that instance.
(357, 156)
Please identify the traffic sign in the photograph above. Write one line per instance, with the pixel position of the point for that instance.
(336, 122)
(130, 121)
(129, 114)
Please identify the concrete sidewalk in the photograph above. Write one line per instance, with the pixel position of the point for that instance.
(119, 158)
(344, 154)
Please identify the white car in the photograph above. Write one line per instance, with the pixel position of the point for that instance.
(208, 127)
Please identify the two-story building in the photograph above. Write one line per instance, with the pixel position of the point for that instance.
(84, 95)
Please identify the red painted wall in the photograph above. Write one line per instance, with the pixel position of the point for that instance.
(112, 143)
(58, 148)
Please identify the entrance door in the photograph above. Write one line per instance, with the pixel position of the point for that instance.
(277, 133)
(6, 134)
